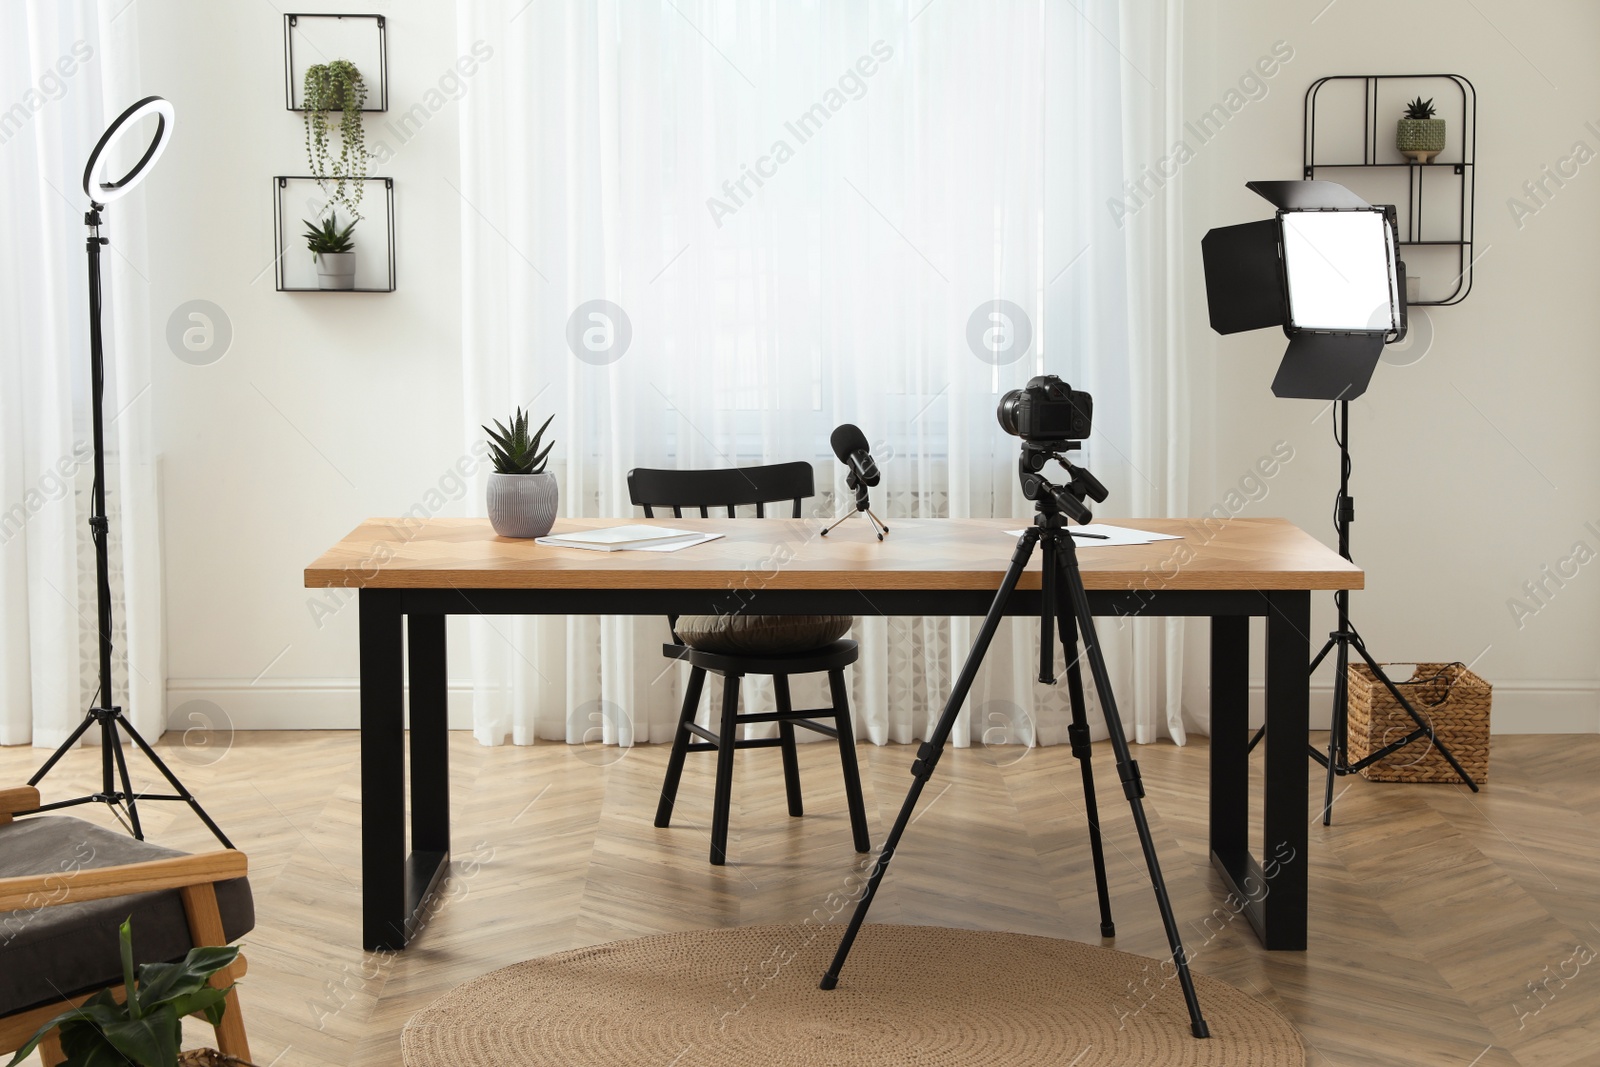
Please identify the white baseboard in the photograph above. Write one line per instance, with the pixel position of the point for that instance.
(1537, 707)
(292, 704)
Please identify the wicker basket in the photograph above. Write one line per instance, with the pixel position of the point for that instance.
(209, 1057)
(1447, 695)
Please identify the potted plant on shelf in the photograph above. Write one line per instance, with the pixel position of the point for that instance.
(1419, 136)
(333, 250)
(522, 494)
(147, 1027)
(329, 87)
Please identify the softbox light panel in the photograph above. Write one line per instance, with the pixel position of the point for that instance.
(1339, 269)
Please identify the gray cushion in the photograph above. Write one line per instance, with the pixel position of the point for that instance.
(761, 635)
(46, 952)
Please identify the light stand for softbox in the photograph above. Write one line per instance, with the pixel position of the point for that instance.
(1333, 350)
(1342, 640)
(116, 787)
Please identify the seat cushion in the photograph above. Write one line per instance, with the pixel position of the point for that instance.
(73, 948)
(761, 635)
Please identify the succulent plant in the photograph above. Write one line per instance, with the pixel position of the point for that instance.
(327, 237)
(515, 452)
(1420, 108)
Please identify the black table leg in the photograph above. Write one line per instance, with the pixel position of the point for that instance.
(430, 764)
(383, 793)
(1286, 839)
(1230, 721)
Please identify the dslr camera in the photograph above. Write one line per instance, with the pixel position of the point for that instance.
(1047, 409)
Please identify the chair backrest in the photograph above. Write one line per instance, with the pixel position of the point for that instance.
(724, 488)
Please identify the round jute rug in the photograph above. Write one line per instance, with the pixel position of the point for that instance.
(748, 997)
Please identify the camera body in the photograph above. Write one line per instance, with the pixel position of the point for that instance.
(1046, 409)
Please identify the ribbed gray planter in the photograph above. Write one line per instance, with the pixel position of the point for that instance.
(336, 270)
(523, 505)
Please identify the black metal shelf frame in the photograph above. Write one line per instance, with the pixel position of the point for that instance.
(292, 20)
(1464, 168)
(281, 243)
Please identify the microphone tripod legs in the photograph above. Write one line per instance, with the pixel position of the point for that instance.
(879, 527)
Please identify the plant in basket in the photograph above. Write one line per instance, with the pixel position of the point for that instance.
(146, 1027)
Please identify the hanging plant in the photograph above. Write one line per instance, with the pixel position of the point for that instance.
(329, 87)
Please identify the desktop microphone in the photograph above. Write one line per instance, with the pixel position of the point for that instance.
(850, 445)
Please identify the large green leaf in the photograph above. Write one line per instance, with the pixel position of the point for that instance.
(98, 1055)
(209, 959)
(151, 1041)
(88, 1017)
(209, 1000)
(160, 982)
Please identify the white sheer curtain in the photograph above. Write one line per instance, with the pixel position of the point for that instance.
(67, 68)
(800, 210)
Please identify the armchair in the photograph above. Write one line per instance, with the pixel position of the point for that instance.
(65, 887)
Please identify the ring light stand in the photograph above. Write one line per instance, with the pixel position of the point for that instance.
(116, 787)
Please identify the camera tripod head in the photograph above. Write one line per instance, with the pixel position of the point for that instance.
(1050, 498)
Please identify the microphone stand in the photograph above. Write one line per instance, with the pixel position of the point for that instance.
(863, 507)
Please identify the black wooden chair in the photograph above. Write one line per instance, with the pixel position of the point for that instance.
(736, 645)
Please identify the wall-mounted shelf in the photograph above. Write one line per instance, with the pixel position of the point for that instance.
(1444, 187)
(362, 39)
(296, 198)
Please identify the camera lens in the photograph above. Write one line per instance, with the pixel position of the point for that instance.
(1007, 412)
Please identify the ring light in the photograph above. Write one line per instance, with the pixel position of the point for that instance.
(103, 192)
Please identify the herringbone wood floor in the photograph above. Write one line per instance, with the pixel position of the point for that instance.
(1435, 913)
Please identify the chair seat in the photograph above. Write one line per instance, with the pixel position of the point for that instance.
(832, 657)
(761, 635)
(68, 949)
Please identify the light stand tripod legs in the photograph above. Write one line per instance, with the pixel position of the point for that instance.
(111, 740)
(1338, 730)
(180, 792)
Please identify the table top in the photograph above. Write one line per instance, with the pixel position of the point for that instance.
(445, 553)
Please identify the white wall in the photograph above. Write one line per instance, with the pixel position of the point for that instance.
(327, 408)
(331, 408)
(1456, 507)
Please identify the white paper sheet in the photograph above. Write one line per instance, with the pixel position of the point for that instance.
(1114, 536)
(675, 545)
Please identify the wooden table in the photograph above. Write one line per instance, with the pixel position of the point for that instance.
(413, 574)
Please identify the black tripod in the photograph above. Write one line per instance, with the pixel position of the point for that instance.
(863, 507)
(116, 788)
(1064, 602)
(1345, 638)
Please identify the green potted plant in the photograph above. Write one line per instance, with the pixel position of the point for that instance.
(329, 87)
(522, 495)
(333, 250)
(146, 1028)
(1419, 135)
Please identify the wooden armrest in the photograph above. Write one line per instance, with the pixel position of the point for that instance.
(98, 883)
(17, 798)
